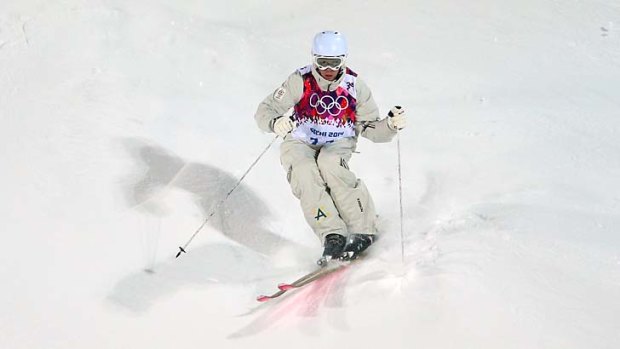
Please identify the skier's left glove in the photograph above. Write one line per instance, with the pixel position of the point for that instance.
(396, 118)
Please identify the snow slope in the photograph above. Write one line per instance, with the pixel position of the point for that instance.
(124, 123)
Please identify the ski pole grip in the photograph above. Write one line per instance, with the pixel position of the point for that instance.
(390, 114)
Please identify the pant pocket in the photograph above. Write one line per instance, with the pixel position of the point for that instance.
(289, 172)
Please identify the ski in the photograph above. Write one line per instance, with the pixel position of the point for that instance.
(304, 280)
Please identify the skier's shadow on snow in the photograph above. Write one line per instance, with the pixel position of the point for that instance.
(240, 218)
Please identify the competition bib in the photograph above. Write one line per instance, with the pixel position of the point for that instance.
(325, 116)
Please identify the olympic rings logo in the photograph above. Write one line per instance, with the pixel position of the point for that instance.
(329, 104)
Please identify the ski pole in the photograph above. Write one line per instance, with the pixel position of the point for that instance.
(182, 248)
(400, 193)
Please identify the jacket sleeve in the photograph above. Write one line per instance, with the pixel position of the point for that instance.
(368, 123)
(279, 102)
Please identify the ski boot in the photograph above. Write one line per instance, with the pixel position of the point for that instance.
(334, 244)
(356, 244)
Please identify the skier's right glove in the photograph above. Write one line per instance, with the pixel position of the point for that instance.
(282, 126)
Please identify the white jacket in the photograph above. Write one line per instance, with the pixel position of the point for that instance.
(368, 122)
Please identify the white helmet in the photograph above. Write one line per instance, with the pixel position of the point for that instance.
(330, 43)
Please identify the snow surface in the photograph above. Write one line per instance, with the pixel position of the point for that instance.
(125, 122)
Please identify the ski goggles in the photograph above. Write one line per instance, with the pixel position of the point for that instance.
(323, 62)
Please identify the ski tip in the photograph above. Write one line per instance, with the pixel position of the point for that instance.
(285, 287)
(262, 298)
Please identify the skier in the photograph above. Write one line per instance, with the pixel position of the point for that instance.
(331, 108)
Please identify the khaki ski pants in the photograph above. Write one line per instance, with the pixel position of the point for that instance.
(332, 198)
